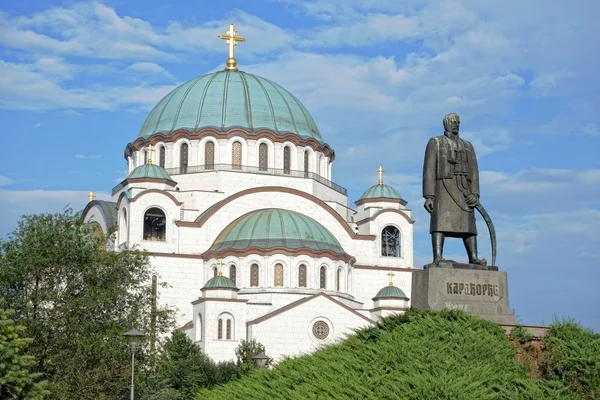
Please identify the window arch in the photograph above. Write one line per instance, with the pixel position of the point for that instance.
(232, 274)
(199, 328)
(155, 224)
(183, 158)
(228, 330)
(214, 272)
(236, 155)
(278, 276)
(263, 157)
(254, 275)
(146, 156)
(162, 154)
(225, 326)
(209, 155)
(306, 165)
(302, 275)
(220, 329)
(323, 278)
(123, 227)
(287, 162)
(390, 242)
(338, 279)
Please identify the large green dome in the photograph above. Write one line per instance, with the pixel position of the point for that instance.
(276, 228)
(228, 99)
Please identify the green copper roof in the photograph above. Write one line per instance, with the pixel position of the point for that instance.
(273, 227)
(391, 291)
(227, 99)
(149, 171)
(219, 282)
(381, 191)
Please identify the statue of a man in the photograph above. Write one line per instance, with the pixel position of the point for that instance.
(451, 190)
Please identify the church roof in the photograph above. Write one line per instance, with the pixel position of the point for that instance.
(391, 292)
(227, 99)
(381, 191)
(276, 228)
(151, 171)
(219, 282)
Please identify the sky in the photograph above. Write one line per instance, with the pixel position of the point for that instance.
(77, 80)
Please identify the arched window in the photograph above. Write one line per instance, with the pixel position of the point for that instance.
(209, 155)
(287, 162)
(145, 156)
(390, 242)
(302, 276)
(263, 157)
(306, 164)
(228, 337)
(254, 275)
(123, 227)
(232, 275)
(214, 272)
(220, 329)
(236, 155)
(155, 224)
(338, 279)
(323, 278)
(162, 156)
(199, 328)
(183, 159)
(278, 275)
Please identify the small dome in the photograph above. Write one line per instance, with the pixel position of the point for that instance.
(391, 292)
(152, 171)
(229, 99)
(381, 191)
(276, 228)
(219, 282)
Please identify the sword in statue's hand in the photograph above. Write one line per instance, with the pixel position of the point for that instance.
(489, 223)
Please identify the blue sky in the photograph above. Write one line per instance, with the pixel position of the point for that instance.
(77, 80)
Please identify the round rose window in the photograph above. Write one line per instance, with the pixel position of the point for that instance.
(321, 330)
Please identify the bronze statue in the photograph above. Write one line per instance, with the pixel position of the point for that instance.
(451, 192)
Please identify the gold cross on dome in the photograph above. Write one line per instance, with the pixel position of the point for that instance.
(91, 196)
(232, 39)
(391, 274)
(220, 265)
(149, 150)
(380, 171)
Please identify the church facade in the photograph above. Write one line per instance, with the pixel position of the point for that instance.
(230, 190)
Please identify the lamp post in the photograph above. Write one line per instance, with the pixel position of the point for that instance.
(134, 337)
(261, 360)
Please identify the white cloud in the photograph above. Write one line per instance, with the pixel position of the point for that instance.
(38, 125)
(4, 180)
(147, 67)
(87, 157)
(73, 113)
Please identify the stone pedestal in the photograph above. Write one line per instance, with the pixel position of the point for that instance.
(479, 292)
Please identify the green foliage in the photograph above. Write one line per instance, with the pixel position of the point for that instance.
(573, 357)
(244, 353)
(76, 298)
(418, 355)
(521, 334)
(17, 379)
(181, 369)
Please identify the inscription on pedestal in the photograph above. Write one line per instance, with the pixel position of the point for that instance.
(483, 293)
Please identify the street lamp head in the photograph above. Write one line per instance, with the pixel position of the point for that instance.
(261, 360)
(134, 337)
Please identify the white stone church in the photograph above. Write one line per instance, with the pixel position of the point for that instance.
(230, 191)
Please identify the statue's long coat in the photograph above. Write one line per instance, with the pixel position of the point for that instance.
(451, 214)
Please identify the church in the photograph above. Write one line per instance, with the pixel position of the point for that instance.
(230, 190)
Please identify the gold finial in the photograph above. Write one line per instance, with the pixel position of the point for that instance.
(220, 265)
(232, 39)
(91, 196)
(391, 274)
(380, 171)
(149, 150)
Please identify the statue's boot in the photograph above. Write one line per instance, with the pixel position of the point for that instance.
(437, 242)
(471, 247)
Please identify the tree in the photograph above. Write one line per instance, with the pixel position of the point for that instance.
(17, 379)
(245, 351)
(182, 369)
(76, 297)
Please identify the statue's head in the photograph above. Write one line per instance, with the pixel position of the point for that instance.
(452, 123)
